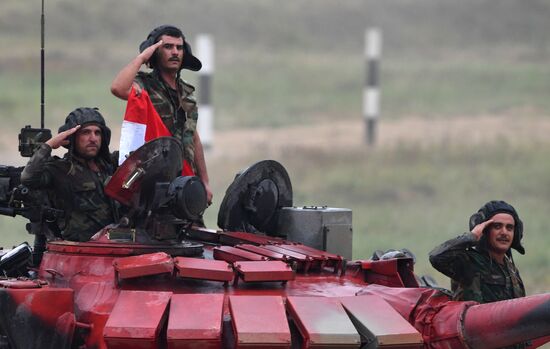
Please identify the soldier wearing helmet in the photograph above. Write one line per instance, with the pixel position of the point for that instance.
(75, 182)
(480, 262)
(167, 52)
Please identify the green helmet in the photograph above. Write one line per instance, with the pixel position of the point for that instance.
(84, 116)
(492, 208)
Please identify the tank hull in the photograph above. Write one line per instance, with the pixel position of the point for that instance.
(106, 295)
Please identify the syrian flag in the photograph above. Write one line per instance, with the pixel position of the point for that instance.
(142, 124)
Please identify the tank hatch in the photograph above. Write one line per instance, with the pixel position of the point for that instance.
(161, 202)
(253, 201)
(133, 183)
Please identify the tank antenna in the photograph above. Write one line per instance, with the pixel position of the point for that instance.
(42, 68)
(31, 138)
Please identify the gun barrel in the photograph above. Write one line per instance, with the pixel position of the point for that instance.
(5, 211)
(504, 323)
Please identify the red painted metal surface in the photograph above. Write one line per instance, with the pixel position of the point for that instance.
(22, 283)
(137, 319)
(376, 320)
(126, 181)
(539, 342)
(239, 237)
(288, 253)
(93, 280)
(317, 259)
(323, 323)
(496, 325)
(90, 248)
(232, 254)
(143, 265)
(91, 277)
(446, 324)
(264, 252)
(325, 254)
(313, 253)
(195, 321)
(205, 269)
(36, 316)
(102, 245)
(250, 271)
(397, 272)
(259, 322)
(300, 258)
(328, 259)
(304, 261)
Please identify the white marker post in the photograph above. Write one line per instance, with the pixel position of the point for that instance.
(205, 52)
(371, 94)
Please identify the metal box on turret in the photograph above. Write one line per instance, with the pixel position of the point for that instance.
(325, 228)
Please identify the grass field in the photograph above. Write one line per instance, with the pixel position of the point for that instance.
(304, 93)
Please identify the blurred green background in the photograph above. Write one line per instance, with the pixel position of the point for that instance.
(464, 91)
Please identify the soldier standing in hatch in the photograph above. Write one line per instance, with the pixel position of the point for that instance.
(167, 53)
(480, 262)
(75, 182)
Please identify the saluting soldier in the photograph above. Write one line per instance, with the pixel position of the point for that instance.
(75, 182)
(167, 52)
(480, 262)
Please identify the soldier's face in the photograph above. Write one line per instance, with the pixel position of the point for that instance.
(88, 141)
(170, 53)
(501, 233)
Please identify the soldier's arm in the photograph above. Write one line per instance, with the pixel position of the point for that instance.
(124, 80)
(451, 257)
(200, 163)
(34, 174)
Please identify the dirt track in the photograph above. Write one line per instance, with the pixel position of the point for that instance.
(412, 131)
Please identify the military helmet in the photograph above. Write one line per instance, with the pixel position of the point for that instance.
(490, 209)
(189, 61)
(84, 116)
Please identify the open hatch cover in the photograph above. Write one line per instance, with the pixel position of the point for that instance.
(253, 201)
(133, 183)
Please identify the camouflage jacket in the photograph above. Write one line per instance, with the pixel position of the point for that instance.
(73, 188)
(474, 274)
(178, 109)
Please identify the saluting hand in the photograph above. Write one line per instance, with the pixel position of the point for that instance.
(61, 138)
(148, 52)
(478, 229)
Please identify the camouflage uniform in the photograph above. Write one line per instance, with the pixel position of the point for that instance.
(178, 109)
(74, 188)
(475, 275)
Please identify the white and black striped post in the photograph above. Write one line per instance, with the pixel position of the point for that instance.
(371, 93)
(205, 52)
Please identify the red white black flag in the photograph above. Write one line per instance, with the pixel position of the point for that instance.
(142, 124)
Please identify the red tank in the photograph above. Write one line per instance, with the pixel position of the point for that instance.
(157, 280)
